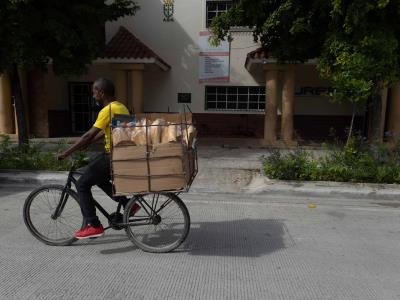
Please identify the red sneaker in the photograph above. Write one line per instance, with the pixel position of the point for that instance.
(89, 232)
(134, 209)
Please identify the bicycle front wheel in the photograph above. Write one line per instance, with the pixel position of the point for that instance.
(157, 222)
(51, 216)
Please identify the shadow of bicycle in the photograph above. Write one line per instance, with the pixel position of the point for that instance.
(241, 238)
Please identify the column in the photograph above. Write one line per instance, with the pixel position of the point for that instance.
(6, 109)
(393, 124)
(288, 90)
(121, 90)
(137, 101)
(271, 106)
(39, 98)
(23, 78)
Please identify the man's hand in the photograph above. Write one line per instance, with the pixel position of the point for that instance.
(83, 141)
(61, 155)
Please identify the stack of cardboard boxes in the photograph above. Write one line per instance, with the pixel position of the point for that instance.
(156, 166)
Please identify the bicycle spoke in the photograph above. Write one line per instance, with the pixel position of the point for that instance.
(42, 206)
(64, 230)
(164, 205)
(148, 206)
(48, 201)
(168, 226)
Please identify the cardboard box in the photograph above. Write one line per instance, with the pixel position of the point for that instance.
(167, 167)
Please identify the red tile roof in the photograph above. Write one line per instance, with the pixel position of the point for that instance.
(125, 45)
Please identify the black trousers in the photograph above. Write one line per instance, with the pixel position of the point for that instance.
(96, 173)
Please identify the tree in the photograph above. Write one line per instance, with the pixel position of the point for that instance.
(66, 34)
(356, 43)
(361, 55)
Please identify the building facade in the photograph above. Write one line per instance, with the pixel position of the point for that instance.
(159, 62)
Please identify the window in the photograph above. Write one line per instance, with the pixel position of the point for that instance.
(82, 106)
(240, 98)
(215, 8)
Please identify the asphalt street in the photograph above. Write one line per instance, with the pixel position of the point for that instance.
(241, 246)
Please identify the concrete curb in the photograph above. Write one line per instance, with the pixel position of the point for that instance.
(239, 181)
(32, 177)
(329, 189)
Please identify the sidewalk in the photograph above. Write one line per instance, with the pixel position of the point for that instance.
(236, 170)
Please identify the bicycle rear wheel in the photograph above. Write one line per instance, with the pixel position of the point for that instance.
(160, 225)
(41, 219)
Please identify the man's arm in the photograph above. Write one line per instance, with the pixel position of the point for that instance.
(99, 136)
(83, 141)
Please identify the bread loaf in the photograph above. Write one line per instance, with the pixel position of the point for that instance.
(156, 131)
(172, 133)
(138, 136)
(120, 135)
(164, 134)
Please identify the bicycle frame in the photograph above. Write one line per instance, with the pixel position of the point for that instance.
(148, 209)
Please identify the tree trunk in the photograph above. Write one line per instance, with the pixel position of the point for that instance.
(351, 124)
(377, 119)
(19, 107)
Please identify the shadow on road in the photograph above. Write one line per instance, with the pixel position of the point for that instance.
(241, 238)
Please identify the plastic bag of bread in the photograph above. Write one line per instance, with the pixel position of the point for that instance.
(127, 134)
(189, 134)
(138, 132)
(178, 132)
(164, 134)
(156, 131)
(120, 135)
(172, 132)
(138, 136)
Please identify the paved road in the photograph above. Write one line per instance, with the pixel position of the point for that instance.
(239, 247)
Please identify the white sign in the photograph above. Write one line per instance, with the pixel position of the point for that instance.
(213, 61)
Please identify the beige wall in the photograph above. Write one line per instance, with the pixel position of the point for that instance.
(177, 43)
(307, 76)
(57, 87)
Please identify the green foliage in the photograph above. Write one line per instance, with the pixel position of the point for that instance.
(356, 42)
(69, 33)
(35, 157)
(361, 51)
(296, 165)
(291, 30)
(353, 162)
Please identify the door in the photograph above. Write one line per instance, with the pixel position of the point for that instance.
(82, 106)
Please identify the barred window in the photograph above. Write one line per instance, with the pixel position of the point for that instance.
(83, 108)
(215, 8)
(239, 98)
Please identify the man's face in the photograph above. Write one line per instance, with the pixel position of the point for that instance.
(98, 95)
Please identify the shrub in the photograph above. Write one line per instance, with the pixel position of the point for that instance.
(35, 157)
(354, 162)
(294, 166)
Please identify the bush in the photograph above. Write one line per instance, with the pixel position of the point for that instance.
(354, 162)
(296, 165)
(34, 157)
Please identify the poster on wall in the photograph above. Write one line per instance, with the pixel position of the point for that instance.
(213, 61)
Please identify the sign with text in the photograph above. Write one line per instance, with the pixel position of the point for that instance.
(184, 98)
(309, 91)
(213, 61)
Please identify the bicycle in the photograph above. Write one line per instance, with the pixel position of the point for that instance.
(52, 214)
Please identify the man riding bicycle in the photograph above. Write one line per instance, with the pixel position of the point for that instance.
(98, 170)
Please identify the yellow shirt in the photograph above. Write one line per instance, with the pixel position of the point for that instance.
(103, 119)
